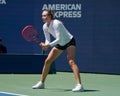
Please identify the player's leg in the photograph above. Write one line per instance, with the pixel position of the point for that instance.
(74, 67)
(54, 53)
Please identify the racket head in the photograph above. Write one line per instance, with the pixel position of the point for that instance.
(29, 33)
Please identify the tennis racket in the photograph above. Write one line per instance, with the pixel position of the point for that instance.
(30, 34)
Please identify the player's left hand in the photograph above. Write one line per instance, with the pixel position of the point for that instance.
(45, 46)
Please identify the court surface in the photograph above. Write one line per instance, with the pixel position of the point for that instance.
(59, 84)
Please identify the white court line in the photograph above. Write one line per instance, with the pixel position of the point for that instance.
(12, 94)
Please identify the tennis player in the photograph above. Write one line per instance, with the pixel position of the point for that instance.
(63, 41)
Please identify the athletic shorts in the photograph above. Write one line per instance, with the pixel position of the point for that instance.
(72, 42)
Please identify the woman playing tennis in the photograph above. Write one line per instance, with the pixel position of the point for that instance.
(63, 41)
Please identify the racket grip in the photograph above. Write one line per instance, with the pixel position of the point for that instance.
(43, 52)
(37, 41)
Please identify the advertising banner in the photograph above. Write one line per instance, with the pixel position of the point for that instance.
(95, 24)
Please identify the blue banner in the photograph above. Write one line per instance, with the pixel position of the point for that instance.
(95, 25)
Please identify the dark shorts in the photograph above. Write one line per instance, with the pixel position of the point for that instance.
(72, 42)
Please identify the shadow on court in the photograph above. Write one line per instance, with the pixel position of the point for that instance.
(66, 90)
(88, 90)
(59, 89)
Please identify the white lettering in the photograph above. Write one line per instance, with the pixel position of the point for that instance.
(44, 7)
(62, 6)
(2, 2)
(68, 14)
(65, 10)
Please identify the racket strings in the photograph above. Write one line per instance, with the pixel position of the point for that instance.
(36, 38)
(30, 34)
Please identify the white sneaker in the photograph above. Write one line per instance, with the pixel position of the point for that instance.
(39, 85)
(78, 88)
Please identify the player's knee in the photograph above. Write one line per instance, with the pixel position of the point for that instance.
(47, 62)
(71, 62)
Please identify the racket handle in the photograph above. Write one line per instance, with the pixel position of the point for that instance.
(37, 41)
(43, 52)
